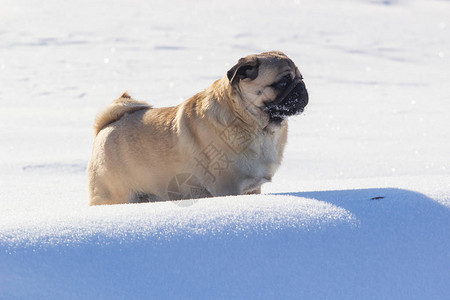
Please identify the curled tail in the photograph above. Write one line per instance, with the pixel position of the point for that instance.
(116, 110)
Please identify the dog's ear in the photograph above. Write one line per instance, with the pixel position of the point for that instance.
(245, 68)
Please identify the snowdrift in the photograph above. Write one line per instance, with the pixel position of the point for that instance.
(349, 243)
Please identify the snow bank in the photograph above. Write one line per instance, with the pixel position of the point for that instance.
(370, 243)
(166, 220)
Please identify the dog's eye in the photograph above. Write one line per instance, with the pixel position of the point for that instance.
(283, 83)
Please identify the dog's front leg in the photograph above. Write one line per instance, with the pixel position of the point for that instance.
(256, 191)
(230, 187)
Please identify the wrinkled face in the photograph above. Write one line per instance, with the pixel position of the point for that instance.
(271, 82)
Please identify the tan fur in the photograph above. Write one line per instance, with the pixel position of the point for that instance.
(116, 110)
(142, 153)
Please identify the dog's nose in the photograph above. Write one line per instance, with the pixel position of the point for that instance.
(298, 95)
(304, 97)
(291, 102)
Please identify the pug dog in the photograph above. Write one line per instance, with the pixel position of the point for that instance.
(226, 140)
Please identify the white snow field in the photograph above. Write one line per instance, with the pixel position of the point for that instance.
(360, 208)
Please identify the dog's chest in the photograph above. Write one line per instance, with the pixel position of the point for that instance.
(261, 159)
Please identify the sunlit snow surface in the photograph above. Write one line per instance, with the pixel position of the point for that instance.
(219, 216)
(360, 208)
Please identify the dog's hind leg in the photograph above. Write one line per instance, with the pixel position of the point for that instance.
(101, 193)
(145, 198)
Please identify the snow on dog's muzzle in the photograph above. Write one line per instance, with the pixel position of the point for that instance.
(291, 102)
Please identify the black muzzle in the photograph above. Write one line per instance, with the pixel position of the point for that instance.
(291, 102)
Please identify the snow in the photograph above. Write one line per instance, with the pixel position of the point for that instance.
(360, 208)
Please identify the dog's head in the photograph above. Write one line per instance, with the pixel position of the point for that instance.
(271, 82)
